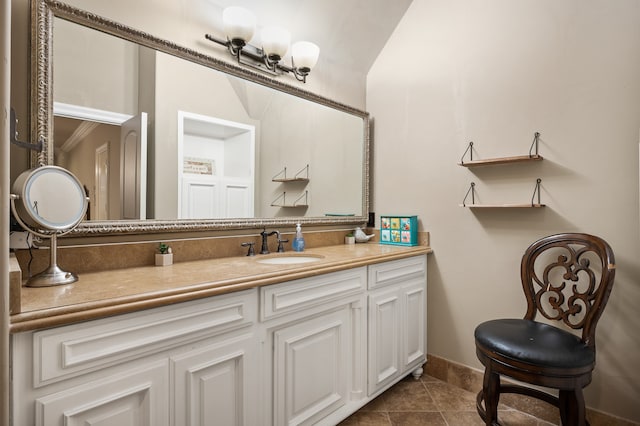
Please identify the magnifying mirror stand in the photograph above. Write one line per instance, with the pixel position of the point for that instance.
(49, 202)
(53, 275)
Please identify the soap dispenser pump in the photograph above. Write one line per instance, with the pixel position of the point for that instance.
(298, 241)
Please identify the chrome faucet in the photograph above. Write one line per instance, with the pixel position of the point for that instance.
(264, 234)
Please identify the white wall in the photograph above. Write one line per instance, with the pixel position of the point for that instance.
(494, 72)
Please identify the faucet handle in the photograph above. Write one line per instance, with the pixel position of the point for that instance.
(280, 246)
(251, 252)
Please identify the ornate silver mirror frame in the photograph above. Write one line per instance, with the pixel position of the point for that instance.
(43, 13)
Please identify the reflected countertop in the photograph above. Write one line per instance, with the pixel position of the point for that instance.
(100, 294)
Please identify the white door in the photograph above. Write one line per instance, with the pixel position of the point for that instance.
(133, 167)
(200, 198)
(101, 190)
(215, 163)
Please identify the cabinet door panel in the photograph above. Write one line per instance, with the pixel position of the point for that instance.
(414, 319)
(311, 362)
(384, 339)
(212, 384)
(133, 398)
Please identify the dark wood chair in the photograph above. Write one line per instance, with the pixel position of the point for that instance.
(567, 278)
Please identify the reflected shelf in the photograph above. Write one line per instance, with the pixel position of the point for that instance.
(281, 201)
(502, 206)
(301, 176)
(290, 180)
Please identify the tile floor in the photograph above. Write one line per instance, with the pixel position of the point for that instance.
(429, 401)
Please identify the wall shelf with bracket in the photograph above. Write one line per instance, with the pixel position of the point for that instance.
(301, 176)
(281, 201)
(533, 156)
(535, 199)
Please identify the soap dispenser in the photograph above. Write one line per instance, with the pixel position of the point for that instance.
(298, 241)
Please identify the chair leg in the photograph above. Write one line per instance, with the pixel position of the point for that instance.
(572, 408)
(491, 391)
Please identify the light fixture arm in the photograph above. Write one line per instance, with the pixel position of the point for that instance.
(259, 59)
(299, 73)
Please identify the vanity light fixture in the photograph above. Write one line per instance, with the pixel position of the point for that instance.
(239, 26)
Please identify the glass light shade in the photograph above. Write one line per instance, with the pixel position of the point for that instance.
(305, 54)
(275, 41)
(238, 23)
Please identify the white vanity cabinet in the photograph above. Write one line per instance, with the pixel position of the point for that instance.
(192, 363)
(306, 351)
(397, 320)
(315, 339)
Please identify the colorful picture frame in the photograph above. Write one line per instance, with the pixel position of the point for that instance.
(399, 230)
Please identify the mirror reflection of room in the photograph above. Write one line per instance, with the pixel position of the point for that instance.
(146, 168)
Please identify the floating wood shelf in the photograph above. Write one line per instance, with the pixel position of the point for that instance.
(301, 176)
(502, 206)
(533, 156)
(290, 180)
(472, 192)
(281, 201)
(502, 160)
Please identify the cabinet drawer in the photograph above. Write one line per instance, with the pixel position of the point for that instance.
(397, 271)
(292, 296)
(68, 351)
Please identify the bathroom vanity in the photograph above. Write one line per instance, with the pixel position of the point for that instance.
(229, 341)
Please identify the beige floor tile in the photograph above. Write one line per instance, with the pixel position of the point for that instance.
(417, 419)
(432, 402)
(409, 395)
(451, 398)
(367, 418)
(377, 404)
(462, 418)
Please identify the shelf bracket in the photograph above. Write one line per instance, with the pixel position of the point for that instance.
(536, 191)
(304, 170)
(534, 144)
(281, 200)
(470, 151)
(282, 174)
(282, 197)
(472, 191)
(303, 196)
(13, 135)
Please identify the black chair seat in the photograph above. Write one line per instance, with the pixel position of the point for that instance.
(534, 343)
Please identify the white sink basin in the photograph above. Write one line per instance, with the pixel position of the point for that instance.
(288, 259)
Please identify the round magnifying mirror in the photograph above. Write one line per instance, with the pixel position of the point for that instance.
(49, 201)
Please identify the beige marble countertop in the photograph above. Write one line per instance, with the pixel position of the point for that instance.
(105, 293)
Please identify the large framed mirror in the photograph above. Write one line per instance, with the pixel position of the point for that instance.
(166, 138)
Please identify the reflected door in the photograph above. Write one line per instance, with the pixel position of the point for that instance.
(215, 167)
(101, 209)
(133, 167)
